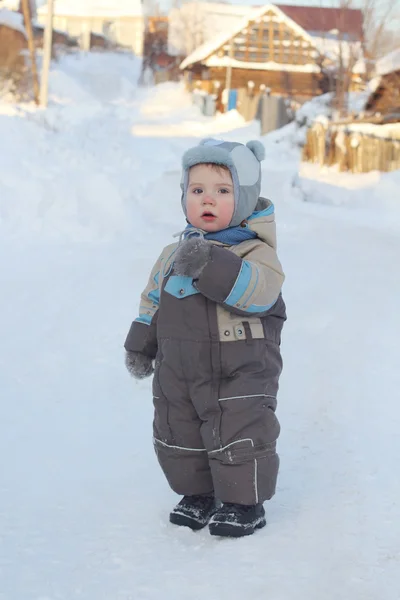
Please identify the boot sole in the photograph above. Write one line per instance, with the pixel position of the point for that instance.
(184, 521)
(229, 530)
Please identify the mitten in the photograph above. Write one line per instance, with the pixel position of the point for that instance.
(192, 256)
(139, 365)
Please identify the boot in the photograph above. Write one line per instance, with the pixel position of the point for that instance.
(193, 511)
(237, 520)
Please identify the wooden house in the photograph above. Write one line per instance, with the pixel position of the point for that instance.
(61, 40)
(13, 42)
(120, 21)
(288, 49)
(385, 88)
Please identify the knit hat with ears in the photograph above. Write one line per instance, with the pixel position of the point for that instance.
(243, 161)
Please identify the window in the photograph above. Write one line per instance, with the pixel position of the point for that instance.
(253, 35)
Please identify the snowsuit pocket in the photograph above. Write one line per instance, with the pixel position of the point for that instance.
(161, 426)
(245, 473)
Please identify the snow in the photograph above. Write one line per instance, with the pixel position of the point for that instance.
(12, 19)
(203, 51)
(358, 195)
(389, 63)
(390, 130)
(373, 84)
(215, 61)
(357, 100)
(89, 193)
(96, 8)
(360, 67)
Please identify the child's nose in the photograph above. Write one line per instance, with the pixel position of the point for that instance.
(208, 199)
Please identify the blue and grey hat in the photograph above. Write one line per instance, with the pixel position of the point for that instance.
(243, 161)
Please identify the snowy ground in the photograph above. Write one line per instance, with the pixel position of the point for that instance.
(89, 193)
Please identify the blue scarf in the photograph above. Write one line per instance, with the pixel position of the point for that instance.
(230, 236)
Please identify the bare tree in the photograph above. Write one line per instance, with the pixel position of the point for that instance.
(338, 52)
(381, 26)
(187, 28)
(381, 34)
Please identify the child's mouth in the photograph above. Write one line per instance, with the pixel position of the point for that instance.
(208, 217)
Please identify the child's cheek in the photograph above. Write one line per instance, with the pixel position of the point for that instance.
(226, 212)
(192, 212)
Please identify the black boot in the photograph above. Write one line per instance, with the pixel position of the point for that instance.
(237, 520)
(193, 511)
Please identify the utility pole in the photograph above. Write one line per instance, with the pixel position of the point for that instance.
(86, 36)
(47, 53)
(228, 80)
(26, 9)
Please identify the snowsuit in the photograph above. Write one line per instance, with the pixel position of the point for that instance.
(216, 344)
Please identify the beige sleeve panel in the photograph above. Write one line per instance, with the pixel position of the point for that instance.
(150, 297)
(245, 280)
(259, 282)
(142, 335)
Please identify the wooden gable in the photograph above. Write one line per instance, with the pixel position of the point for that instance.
(270, 38)
(386, 98)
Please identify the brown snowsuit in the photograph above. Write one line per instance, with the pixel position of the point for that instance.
(216, 344)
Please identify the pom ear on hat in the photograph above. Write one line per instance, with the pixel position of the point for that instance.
(257, 149)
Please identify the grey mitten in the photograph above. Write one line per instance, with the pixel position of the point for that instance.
(139, 365)
(192, 256)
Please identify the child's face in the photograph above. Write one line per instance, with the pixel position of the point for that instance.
(210, 201)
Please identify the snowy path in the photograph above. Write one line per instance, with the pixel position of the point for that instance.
(83, 506)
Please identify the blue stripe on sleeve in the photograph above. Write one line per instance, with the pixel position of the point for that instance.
(248, 297)
(143, 318)
(241, 284)
(253, 308)
(154, 295)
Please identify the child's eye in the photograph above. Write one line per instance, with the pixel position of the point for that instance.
(224, 191)
(197, 191)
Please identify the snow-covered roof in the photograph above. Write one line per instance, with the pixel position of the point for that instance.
(12, 19)
(360, 68)
(206, 49)
(96, 8)
(225, 61)
(388, 130)
(389, 63)
(203, 51)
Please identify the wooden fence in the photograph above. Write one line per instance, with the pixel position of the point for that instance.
(354, 147)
